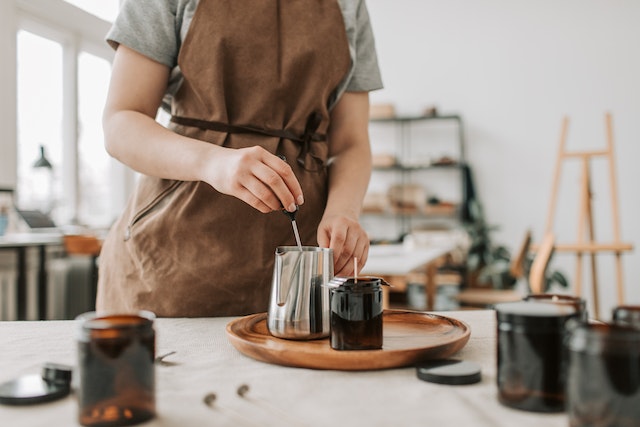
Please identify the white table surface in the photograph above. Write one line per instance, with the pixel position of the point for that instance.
(397, 260)
(206, 362)
(31, 239)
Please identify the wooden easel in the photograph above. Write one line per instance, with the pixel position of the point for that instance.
(585, 220)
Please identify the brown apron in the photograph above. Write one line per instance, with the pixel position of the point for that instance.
(255, 73)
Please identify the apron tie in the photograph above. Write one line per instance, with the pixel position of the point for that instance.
(313, 122)
(305, 140)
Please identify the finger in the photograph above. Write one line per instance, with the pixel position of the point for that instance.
(264, 184)
(284, 171)
(359, 244)
(253, 201)
(324, 238)
(344, 261)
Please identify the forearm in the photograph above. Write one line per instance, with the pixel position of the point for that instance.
(144, 145)
(349, 175)
(131, 133)
(132, 136)
(350, 155)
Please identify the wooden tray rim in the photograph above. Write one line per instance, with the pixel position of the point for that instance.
(350, 360)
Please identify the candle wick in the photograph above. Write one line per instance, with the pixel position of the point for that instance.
(355, 269)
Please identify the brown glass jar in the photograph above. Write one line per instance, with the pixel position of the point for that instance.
(356, 314)
(116, 369)
(603, 385)
(531, 358)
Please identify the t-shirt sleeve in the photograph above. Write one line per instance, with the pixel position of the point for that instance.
(366, 74)
(148, 27)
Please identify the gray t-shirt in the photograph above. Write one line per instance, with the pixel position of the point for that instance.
(156, 28)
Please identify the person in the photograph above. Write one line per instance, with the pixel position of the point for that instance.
(247, 83)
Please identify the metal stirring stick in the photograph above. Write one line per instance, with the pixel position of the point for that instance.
(292, 217)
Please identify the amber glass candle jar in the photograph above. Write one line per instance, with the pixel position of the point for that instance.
(356, 314)
(116, 369)
(531, 358)
(603, 386)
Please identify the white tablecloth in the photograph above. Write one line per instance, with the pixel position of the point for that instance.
(279, 396)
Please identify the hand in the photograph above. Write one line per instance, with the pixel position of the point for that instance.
(255, 176)
(348, 240)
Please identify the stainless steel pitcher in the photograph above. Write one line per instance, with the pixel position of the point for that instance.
(299, 305)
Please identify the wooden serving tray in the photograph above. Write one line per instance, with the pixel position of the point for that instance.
(408, 337)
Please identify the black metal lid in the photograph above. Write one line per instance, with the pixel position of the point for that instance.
(449, 371)
(53, 383)
(360, 284)
(57, 373)
(31, 389)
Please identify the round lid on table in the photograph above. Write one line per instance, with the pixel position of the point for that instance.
(31, 389)
(449, 371)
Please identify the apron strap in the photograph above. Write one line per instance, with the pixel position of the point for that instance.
(308, 136)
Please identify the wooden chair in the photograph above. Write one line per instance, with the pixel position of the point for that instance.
(85, 245)
(518, 267)
(537, 275)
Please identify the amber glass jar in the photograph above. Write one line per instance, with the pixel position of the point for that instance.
(531, 358)
(356, 314)
(116, 369)
(603, 386)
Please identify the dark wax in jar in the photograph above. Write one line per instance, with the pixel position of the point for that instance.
(116, 368)
(532, 362)
(603, 385)
(356, 315)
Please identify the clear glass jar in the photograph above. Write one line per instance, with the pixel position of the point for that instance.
(116, 370)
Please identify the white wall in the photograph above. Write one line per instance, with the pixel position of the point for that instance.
(513, 69)
(7, 95)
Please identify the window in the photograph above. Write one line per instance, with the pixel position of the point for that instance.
(104, 9)
(94, 191)
(62, 72)
(39, 120)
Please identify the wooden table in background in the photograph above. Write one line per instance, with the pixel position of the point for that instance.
(395, 263)
(19, 243)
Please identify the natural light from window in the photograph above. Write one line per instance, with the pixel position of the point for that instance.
(93, 161)
(104, 9)
(80, 187)
(39, 120)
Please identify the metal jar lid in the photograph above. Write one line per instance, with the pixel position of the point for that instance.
(363, 284)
